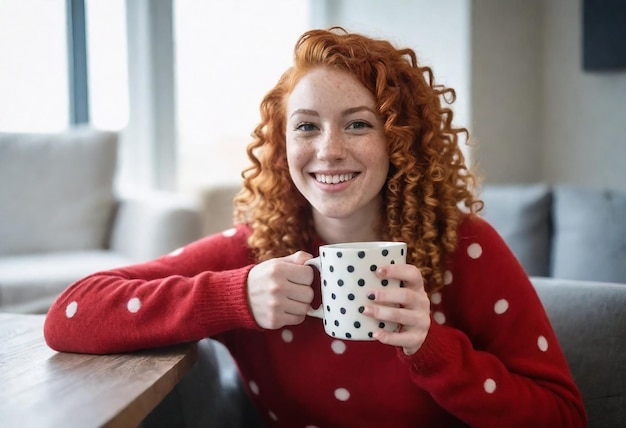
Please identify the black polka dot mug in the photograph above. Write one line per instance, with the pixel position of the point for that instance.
(348, 275)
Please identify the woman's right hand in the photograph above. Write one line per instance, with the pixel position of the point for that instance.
(279, 290)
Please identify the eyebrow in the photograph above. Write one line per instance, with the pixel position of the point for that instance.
(358, 109)
(346, 112)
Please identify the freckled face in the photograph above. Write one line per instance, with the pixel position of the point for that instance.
(336, 148)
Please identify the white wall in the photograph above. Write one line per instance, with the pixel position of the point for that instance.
(506, 89)
(536, 115)
(584, 114)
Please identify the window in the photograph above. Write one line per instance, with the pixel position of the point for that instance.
(33, 78)
(34, 86)
(107, 64)
(226, 60)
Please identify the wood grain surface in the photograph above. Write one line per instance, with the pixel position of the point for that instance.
(43, 388)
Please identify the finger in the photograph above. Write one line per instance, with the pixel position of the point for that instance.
(402, 316)
(295, 271)
(407, 273)
(300, 293)
(410, 342)
(291, 319)
(399, 297)
(299, 257)
(300, 275)
(296, 308)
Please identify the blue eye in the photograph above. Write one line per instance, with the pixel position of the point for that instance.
(359, 125)
(306, 127)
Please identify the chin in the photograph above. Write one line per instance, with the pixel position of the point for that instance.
(333, 212)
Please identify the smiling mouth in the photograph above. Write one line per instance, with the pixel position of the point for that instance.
(334, 179)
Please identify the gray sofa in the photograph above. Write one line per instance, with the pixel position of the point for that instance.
(589, 319)
(572, 241)
(61, 218)
(563, 231)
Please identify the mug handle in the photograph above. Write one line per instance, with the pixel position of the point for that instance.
(319, 312)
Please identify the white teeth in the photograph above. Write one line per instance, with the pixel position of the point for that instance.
(334, 179)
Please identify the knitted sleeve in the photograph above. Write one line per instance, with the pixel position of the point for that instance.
(194, 292)
(491, 357)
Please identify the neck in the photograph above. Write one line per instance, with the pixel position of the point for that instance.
(357, 228)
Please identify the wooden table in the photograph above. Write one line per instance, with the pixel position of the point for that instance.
(42, 388)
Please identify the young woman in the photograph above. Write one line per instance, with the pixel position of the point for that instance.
(355, 143)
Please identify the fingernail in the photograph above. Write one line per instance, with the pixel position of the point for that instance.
(381, 272)
(371, 296)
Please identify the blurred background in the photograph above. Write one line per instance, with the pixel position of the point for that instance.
(181, 80)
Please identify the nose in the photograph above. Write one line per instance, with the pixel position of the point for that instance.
(332, 147)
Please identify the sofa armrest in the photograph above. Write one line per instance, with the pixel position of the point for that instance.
(590, 323)
(154, 223)
(217, 203)
(35, 306)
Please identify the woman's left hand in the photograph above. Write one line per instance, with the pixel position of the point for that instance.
(409, 306)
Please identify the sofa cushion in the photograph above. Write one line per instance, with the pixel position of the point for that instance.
(520, 213)
(56, 190)
(589, 234)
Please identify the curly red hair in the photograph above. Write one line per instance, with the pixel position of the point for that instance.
(428, 181)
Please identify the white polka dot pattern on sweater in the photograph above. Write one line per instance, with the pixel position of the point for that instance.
(71, 309)
(490, 386)
(439, 317)
(287, 335)
(338, 346)
(474, 251)
(436, 298)
(230, 232)
(133, 305)
(342, 394)
(177, 252)
(501, 306)
(542, 343)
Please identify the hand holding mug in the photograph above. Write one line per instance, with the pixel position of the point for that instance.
(279, 293)
(279, 290)
(408, 306)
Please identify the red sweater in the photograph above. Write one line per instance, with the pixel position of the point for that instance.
(490, 359)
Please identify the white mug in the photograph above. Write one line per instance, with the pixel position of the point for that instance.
(348, 276)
